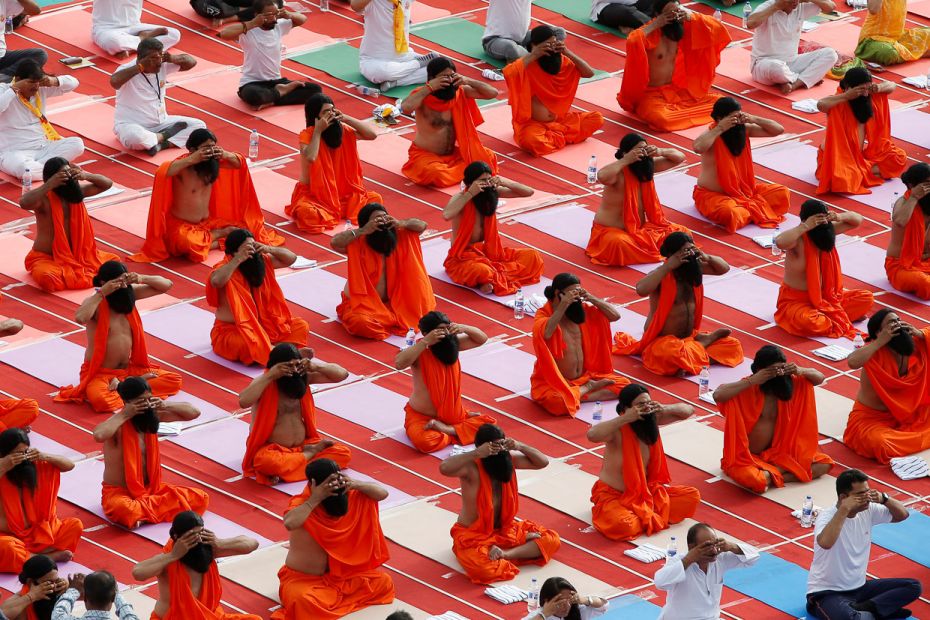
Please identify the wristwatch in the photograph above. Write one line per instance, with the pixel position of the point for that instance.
(884, 498)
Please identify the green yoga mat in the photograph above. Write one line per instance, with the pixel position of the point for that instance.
(340, 60)
(456, 34)
(736, 9)
(576, 11)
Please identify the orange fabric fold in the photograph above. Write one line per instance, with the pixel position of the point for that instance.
(909, 272)
(323, 598)
(409, 292)
(17, 413)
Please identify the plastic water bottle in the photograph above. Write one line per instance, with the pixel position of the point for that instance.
(807, 512)
(704, 381)
(253, 145)
(8, 24)
(368, 91)
(598, 414)
(491, 74)
(718, 15)
(747, 11)
(519, 304)
(776, 251)
(324, 6)
(532, 599)
(27, 180)
(411, 338)
(592, 170)
(858, 342)
(672, 549)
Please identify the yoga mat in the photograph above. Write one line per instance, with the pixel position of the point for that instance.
(457, 34)
(795, 159)
(257, 571)
(563, 486)
(920, 8)
(912, 125)
(602, 93)
(72, 25)
(379, 612)
(14, 248)
(907, 538)
(576, 11)
(631, 607)
(420, 12)
(774, 581)
(841, 35)
(50, 446)
(315, 289)
(864, 262)
(735, 63)
(366, 404)
(274, 189)
(340, 60)
(502, 365)
(832, 412)
(571, 223)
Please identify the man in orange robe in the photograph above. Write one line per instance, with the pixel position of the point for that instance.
(42, 586)
(477, 257)
(905, 264)
(857, 152)
(436, 416)
(630, 223)
(727, 192)
(388, 289)
(633, 496)
(447, 116)
(672, 340)
(331, 188)
(29, 482)
(188, 558)
(116, 341)
(812, 300)
(251, 313)
(282, 435)
(64, 254)
(571, 340)
(133, 491)
(670, 66)
(336, 548)
(770, 435)
(198, 199)
(891, 416)
(541, 87)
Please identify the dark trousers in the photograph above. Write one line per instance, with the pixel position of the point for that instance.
(12, 58)
(262, 93)
(625, 15)
(888, 596)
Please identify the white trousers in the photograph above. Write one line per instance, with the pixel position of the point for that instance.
(138, 138)
(809, 67)
(404, 70)
(15, 163)
(116, 40)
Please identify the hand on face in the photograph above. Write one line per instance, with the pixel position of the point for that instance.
(245, 251)
(436, 335)
(820, 219)
(185, 543)
(889, 331)
(76, 582)
(559, 605)
(855, 502)
(112, 286)
(325, 119)
(730, 121)
(332, 485)
(570, 297)
(42, 591)
(678, 259)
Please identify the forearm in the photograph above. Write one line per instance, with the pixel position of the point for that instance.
(184, 61)
(295, 518)
(332, 373)
(584, 68)
(413, 225)
(341, 241)
(297, 19)
(147, 569)
(705, 141)
(280, 255)
(829, 535)
(516, 189)
(239, 545)
(454, 464)
(828, 103)
(652, 281)
(17, 604)
(900, 215)
(897, 509)
(768, 126)
(253, 392)
(234, 31)
(311, 150)
(220, 277)
(108, 428)
(553, 323)
(860, 357)
(672, 156)
(609, 174)
(180, 164)
(160, 284)
(456, 204)
(34, 198)
(371, 490)
(601, 432)
(730, 390)
(815, 377)
(788, 239)
(717, 266)
(118, 79)
(477, 336)
(536, 458)
(88, 308)
(61, 463)
(757, 18)
(609, 310)
(99, 181)
(180, 412)
(408, 357)
(412, 102)
(364, 130)
(481, 90)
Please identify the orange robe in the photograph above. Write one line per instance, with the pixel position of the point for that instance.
(409, 292)
(649, 503)
(152, 502)
(637, 242)
(262, 317)
(17, 413)
(471, 544)
(444, 384)
(526, 81)
(743, 199)
(355, 547)
(336, 191)
(476, 264)
(794, 448)
(264, 460)
(32, 523)
(73, 265)
(686, 100)
(95, 379)
(825, 308)
(843, 166)
(666, 355)
(909, 272)
(552, 391)
(233, 202)
(426, 168)
(904, 428)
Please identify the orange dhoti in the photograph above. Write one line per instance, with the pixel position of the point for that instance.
(667, 355)
(17, 413)
(618, 247)
(324, 597)
(160, 507)
(766, 208)
(192, 241)
(879, 435)
(543, 138)
(554, 401)
(273, 461)
(103, 399)
(795, 314)
(914, 279)
(61, 536)
(616, 519)
(471, 549)
(230, 342)
(312, 216)
(514, 268)
(50, 276)
(668, 108)
(430, 440)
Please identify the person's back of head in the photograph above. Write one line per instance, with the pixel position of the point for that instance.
(99, 590)
(400, 615)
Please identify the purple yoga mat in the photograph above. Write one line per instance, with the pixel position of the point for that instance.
(744, 291)
(365, 404)
(315, 289)
(571, 223)
(863, 261)
(794, 159)
(50, 446)
(912, 125)
(882, 197)
(502, 365)
(222, 442)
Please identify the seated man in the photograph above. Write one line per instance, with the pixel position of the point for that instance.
(672, 341)
(336, 548)
(891, 416)
(251, 312)
(633, 495)
(99, 592)
(261, 84)
(117, 27)
(487, 540)
(727, 191)
(133, 491)
(906, 263)
(141, 121)
(384, 56)
(776, 35)
(884, 39)
(116, 341)
(27, 138)
(189, 585)
(331, 189)
(64, 253)
(770, 435)
(630, 223)
(477, 257)
(507, 29)
(42, 585)
(857, 152)
(624, 15)
(812, 300)
(447, 116)
(542, 87)
(282, 434)
(388, 289)
(20, 11)
(29, 523)
(667, 92)
(571, 340)
(435, 414)
(198, 199)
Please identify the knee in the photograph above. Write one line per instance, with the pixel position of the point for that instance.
(829, 54)
(40, 56)
(103, 400)
(913, 588)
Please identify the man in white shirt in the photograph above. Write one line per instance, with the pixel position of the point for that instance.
(836, 585)
(261, 84)
(507, 29)
(100, 595)
(624, 15)
(694, 581)
(141, 121)
(776, 26)
(117, 27)
(10, 59)
(384, 57)
(27, 139)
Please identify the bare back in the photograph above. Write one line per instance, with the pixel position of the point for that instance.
(612, 468)
(681, 319)
(114, 472)
(119, 341)
(420, 399)
(708, 177)
(796, 267)
(897, 234)
(471, 483)
(662, 62)
(477, 231)
(867, 395)
(191, 197)
(45, 231)
(305, 555)
(435, 131)
(610, 211)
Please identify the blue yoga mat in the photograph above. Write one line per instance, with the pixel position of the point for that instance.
(907, 538)
(774, 581)
(631, 607)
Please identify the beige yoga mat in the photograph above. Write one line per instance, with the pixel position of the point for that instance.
(257, 571)
(832, 413)
(380, 612)
(563, 486)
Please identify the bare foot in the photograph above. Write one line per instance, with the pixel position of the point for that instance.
(786, 88)
(221, 233)
(311, 450)
(123, 54)
(625, 30)
(486, 288)
(768, 479)
(533, 536)
(495, 553)
(593, 386)
(60, 556)
(258, 108)
(286, 89)
(705, 340)
(154, 32)
(273, 480)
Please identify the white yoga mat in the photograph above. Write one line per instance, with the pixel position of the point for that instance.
(912, 125)
(866, 263)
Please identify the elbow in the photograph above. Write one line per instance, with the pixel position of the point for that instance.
(641, 290)
(66, 465)
(592, 435)
(406, 108)
(543, 462)
(191, 413)
(341, 376)
(249, 544)
(828, 6)
(686, 412)
(138, 573)
(244, 403)
(445, 470)
(822, 107)
(100, 436)
(399, 362)
(480, 338)
(166, 285)
(217, 282)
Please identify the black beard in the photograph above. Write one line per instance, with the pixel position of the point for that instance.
(499, 466)
(781, 388)
(146, 421)
(901, 343)
(447, 350)
(925, 204)
(383, 241)
(123, 300)
(823, 237)
(24, 475)
(332, 135)
(735, 139)
(862, 108)
(551, 63)
(446, 93)
(199, 558)
(253, 270)
(486, 201)
(674, 31)
(70, 191)
(293, 386)
(646, 429)
(336, 505)
(208, 170)
(575, 313)
(643, 169)
(690, 272)
(43, 608)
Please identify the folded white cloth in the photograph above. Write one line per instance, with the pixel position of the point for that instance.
(833, 352)
(531, 304)
(457, 449)
(766, 241)
(805, 105)
(449, 615)
(169, 428)
(646, 553)
(797, 512)
(303, 263)
(910, 467)
(920, 81)
(808, 26)
(507, 594)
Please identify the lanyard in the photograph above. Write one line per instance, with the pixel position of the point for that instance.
(157, 86)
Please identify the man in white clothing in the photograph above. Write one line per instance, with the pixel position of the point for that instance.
(694, 581)
(624, 15)
(117, 27)
(836, 584)
(507, 29)
(10, 59)
(27, 139)
(776, 26)
(384, 57)
(141, 121)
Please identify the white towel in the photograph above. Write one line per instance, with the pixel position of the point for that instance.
(457, 449)
(910, 467)
(507, 594)
(805, 105)
(766, 241)
(646, 553)
(797, 512)
(833, 352)
(530, 304)
(169, 429)
(920, 81)
(303, 263)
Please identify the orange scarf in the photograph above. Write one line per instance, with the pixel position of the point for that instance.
(132, 461)
(28, 519)
(183, 605)
(336, 172)
(668, 290)
(912, 247)
(825, 284)
(465, 119)
(444, 384)
(906, 398)
(30, 612)
(80, 260)
(263, 421)
(493, 248)
(633, 188)
(645, 494)
(50, 133)
(528, 80)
